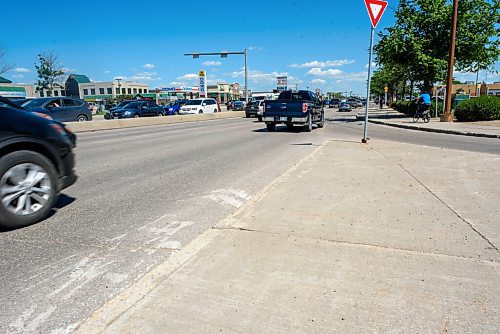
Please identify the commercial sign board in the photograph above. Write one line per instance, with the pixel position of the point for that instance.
(282, 83)
(12, 92)
(202, 84)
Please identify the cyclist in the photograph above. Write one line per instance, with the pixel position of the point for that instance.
(424, 102)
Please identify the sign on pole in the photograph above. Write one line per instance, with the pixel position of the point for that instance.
(202, 84)
(376, 9)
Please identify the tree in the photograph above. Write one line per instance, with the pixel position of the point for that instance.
(4, 67)
(49, 72)
(419, 41)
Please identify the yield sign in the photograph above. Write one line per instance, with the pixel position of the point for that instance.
(375, 9)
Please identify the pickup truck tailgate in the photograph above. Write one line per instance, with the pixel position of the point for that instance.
(282, 108)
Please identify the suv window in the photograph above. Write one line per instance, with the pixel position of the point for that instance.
(55, 103)
(70, 103)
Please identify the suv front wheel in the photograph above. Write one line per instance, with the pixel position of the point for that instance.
(28, 188)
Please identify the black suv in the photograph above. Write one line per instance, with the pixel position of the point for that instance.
(36, 162)
(136, 109)
(62, 109)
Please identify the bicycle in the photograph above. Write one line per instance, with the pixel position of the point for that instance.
(424, 114)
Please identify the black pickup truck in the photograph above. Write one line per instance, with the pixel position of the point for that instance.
(299, 107)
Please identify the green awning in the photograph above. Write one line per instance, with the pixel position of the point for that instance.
(12, 89)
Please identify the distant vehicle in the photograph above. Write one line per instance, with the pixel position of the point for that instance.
(230, 104)
(353, 102)
(253, 108)
(36, 163)
(300, 107)
(200, 106)
(62, 109)
(239, 105)
(136, 109)
(334, 103)
(345, 106)
(174, 107)
(260, 112)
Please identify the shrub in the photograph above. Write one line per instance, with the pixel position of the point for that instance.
(484, 108)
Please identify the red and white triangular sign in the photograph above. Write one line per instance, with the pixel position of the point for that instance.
(376, 9)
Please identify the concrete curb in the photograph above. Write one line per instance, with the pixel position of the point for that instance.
(451, 132)
(115, 124)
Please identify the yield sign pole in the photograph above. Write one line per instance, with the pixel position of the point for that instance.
(375, 10)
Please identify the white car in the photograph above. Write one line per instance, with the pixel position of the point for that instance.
(260, 112)
(199, 106)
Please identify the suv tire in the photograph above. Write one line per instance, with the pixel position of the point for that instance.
(28, 180)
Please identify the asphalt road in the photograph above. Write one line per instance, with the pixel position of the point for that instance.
(144, 193)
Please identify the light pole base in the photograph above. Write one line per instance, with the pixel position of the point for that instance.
(365, 141)
(447, 118)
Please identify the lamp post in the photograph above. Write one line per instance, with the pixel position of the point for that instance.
(224, 54)
(119, 86)
(447, 116)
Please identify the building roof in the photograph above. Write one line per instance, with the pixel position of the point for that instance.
(3, 80)
(80, 78)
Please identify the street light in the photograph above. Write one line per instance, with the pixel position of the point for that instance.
(224, 54)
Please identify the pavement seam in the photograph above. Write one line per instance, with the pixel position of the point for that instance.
(361, 244)
(440, 200)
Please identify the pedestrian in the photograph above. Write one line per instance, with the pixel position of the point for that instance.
(381, 101)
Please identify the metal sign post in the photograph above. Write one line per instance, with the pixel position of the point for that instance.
(368, 88)
(375, 10)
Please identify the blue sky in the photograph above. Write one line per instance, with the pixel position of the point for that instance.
(317, 44)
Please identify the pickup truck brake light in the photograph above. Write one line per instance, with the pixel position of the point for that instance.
(304, 107)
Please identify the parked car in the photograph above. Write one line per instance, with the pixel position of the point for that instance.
(200, 106)
(334, 103)
(302, 108)
(238, 105)
(230, 105)
(36, 162)
(62, 109)
(345, 106)
(138, 108)
(174, 107)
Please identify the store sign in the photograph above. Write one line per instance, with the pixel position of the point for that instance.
(12, 94)
(282, 83)
(202, 84)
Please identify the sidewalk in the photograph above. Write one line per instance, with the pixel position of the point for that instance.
(394, 118)
(355, 239)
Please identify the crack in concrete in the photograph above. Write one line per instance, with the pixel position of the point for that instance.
(354, 243)
(485, 238)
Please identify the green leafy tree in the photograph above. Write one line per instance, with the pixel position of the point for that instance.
(419, 42)
(49, 72)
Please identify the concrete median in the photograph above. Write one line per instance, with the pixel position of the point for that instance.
(149, 121)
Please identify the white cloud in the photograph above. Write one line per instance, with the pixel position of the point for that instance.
(188, 77)
(177, 83)
(318, 81)
(212, 63)
(107, 72)
(258, 76)
(316, 71)
(255, 48)
(146, 74)
(22, 70)
(323, 64)
(373, 65)
(18, 76)
(148, 66)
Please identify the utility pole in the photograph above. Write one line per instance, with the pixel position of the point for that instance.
(447, 116)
